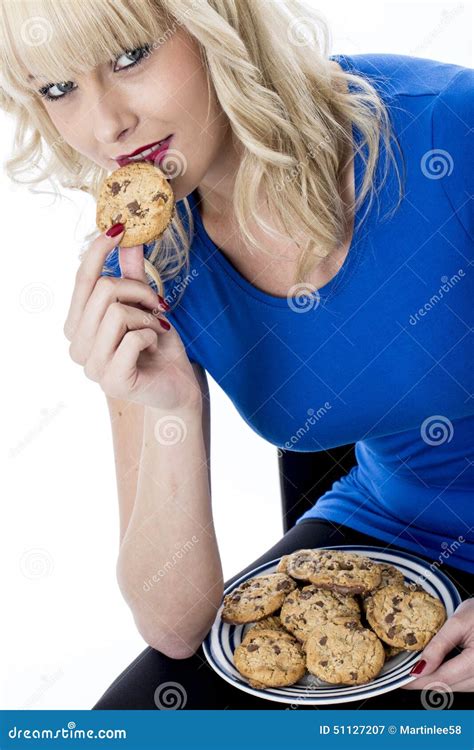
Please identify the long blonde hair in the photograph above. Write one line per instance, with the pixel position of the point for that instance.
(271, 73)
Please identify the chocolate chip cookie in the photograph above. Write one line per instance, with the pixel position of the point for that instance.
(303, 609)
(405, 618)
(256, 598)
(272, 622)
(345, 572)
(270, 658)
(390, 575)
(344, 653)
(138, 196)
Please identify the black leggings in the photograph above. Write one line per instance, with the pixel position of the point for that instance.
(202, 688)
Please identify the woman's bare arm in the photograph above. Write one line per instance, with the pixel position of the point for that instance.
(168, 569)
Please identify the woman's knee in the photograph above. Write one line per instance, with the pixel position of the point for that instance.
(155, 681)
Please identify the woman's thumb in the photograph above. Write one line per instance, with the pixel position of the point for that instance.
(132, 263)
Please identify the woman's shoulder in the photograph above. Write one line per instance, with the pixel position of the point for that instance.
(405, 75)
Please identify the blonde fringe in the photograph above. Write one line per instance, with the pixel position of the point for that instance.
(282, 102)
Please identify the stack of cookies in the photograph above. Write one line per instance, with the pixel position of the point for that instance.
(336, 615)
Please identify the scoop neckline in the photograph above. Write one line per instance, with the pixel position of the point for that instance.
(334, 284)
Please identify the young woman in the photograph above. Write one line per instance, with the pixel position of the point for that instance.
(319, 267)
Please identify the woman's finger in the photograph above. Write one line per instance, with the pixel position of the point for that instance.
(448, 637)
(457, 669)
(86, 277)
(117, 321)
(467, 686)
(107, 291)
(120, 375)
(131, 262)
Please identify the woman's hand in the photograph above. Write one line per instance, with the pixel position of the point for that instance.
(117, 335)
(457, 673)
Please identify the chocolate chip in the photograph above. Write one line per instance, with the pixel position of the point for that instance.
(396, 600)
(319, 603)
(115, 188)
(323, 663)
(283, 585)
(352, 625)
(252, 647)
(277, 649)
(390, 618)
(391, 631)
(306, 595)
(323, 640)
(354, 675)
(410, 639)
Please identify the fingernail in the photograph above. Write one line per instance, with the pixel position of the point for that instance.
(419, 667)
(115, 230)
(163, 303)
(164, 324)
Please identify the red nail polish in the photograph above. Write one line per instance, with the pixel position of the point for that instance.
(419, 667)
(164, 324)
(115, 230)
(163, 303)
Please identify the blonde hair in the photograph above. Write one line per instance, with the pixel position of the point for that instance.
(282, 101)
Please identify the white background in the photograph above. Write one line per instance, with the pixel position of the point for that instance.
(67, 633)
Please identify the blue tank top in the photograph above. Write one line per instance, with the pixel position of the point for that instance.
(381, 355)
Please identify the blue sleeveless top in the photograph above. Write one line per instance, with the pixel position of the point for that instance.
(381, 355)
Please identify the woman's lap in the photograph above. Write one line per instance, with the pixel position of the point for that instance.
(155, 681)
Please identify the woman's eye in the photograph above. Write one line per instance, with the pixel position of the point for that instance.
(134, 57)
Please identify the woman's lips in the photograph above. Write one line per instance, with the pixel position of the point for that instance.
(153, 156)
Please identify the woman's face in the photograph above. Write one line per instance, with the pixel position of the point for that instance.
(120, 107)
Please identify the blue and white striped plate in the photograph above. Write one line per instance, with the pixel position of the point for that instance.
(223, 639)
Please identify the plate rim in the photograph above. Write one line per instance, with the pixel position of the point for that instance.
(312, 700)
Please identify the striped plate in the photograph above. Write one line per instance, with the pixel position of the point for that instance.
(223, 639)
